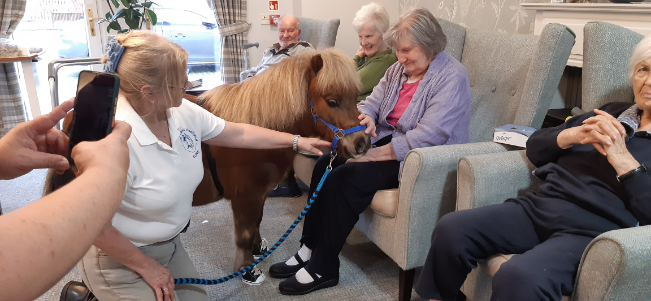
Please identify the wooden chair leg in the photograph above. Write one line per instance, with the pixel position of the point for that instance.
(406, 282)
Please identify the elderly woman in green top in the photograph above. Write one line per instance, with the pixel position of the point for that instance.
(373, 57)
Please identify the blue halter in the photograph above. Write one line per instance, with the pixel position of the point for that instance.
(339, 133)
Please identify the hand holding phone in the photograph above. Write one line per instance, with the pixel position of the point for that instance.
(94, 109)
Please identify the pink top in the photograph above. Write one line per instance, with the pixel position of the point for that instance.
(407, 92)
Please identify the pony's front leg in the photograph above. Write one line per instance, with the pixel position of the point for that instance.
(247, 212)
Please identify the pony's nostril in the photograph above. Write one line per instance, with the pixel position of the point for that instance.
(360, 145)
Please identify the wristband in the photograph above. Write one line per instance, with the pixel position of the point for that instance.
(295, 144)
(640, 169)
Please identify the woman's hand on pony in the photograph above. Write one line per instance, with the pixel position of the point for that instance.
(369, 122)
(312, 145)
(35, 144)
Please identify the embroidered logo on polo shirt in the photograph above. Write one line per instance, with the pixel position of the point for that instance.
(190, 142)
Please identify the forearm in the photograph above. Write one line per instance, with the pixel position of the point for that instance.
(383, 153)
(240, 135)
(44, 240)
(119, 248)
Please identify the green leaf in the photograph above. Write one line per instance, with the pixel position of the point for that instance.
(113, 25)
(107, 16)
(133, 23)
(126, 3)
(115, 3)
(148, 4)
(137, 13)
(119, 14)
(123, 30)
(152, 17)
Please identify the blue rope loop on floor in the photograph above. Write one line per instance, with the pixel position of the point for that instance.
(275, 246)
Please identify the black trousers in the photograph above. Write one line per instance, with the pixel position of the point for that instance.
(346, 193)
(545, 270)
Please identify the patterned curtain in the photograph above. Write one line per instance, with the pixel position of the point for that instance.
(12, 111)
(231, 19)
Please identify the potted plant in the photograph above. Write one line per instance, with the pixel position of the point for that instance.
(133, 12)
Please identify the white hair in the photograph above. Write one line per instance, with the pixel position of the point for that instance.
(374, 14)
(642, 52)
(422, 28)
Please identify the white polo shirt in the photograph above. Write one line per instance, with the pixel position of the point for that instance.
(161, 180)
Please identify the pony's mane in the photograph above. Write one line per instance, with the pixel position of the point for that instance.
(277, 97)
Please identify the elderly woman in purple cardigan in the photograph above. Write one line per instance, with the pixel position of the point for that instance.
(422, 100)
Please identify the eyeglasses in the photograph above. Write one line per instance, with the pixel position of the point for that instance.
(188, 86)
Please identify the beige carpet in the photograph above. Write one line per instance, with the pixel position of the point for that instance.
(366, 272)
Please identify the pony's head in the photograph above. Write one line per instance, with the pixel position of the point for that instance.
(279, 98)
(333, 91)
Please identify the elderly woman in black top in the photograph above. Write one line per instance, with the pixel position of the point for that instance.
(595, 181)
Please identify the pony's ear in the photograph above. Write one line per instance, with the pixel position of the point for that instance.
(317, 63)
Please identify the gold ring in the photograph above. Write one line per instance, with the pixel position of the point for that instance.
(164, 288)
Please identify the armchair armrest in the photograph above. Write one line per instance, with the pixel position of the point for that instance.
(427, 192)
(492, 178)
(616, 266)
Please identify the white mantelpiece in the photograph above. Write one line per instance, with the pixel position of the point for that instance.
(634, 16)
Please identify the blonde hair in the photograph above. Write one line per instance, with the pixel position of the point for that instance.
(150, 59)
(642, 52)
(372, 13)
(422, 28)
(277, 97)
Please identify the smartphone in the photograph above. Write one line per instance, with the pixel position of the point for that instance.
(94, 110)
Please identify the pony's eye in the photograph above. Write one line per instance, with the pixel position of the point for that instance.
(333, 103)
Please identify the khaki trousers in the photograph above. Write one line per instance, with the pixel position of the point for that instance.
(110, 280)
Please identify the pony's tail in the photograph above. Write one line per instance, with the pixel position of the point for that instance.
(54, 181)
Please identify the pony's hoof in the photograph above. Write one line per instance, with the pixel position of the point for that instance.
(253, 276)
(261, 249)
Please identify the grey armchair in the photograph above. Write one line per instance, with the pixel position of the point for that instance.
(513, 78)
(320, 33)
(615, 265)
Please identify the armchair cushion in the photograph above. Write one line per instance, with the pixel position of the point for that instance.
(320, 33)
(607, 49)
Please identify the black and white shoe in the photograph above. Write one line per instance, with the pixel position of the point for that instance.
(253, 276)
(291, 286)
(260, 249)
(283, 270)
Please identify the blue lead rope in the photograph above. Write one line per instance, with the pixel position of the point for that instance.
(266, 254)
(339, 134)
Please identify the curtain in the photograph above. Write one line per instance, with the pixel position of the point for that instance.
(231, 19)
(12, 110)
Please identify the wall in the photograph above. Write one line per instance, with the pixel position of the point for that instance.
(345, 10)
(266, 35)
(496, 15)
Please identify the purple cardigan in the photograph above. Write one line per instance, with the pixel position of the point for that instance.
(439, 111)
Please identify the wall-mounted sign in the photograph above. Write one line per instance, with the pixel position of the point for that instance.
(273, 5)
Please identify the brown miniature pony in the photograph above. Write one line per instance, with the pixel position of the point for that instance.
(279, 99)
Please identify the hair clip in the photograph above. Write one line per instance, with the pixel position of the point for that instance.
(113, 52)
